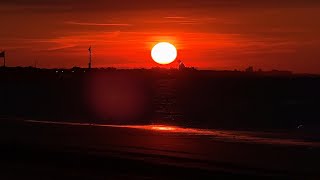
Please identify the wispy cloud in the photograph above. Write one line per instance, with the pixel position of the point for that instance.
(61, 47)
(175, 17)
(96, 24)
(188, 20)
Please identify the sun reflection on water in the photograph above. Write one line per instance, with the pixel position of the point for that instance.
(221, 135)
(163, 128)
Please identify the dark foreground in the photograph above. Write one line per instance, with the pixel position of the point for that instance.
(34, 150)
(269, 124)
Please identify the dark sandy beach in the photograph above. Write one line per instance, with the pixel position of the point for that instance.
(39, 147)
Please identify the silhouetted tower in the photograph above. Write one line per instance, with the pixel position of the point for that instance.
(89, 65)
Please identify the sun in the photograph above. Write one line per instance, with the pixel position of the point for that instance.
(164, 53)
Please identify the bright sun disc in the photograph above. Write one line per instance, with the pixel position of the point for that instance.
(164, 53)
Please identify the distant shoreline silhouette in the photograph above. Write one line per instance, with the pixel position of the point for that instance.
(181, 67)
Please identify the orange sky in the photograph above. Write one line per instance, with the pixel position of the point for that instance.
(209, 34)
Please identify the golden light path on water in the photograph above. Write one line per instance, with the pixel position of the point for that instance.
(219, 135)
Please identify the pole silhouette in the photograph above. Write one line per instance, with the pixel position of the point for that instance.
(89, 65)
(3, 55)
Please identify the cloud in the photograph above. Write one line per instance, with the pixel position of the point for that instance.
(185, 20)
(96, 24)
(175, 17)
(62, 47)
(115, 6)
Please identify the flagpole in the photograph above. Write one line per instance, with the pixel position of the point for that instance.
(90, 57)
(4, 59)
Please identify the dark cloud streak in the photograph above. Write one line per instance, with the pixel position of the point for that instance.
(96, 24)
(125, 5)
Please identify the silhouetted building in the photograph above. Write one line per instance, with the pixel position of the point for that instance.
(249, 69)
(181, 65)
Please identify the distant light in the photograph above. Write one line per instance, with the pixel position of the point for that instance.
(84, 71)
(62, 71)
(73, 71)
(57, 71)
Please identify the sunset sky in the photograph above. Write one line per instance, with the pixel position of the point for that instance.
(209, 34)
